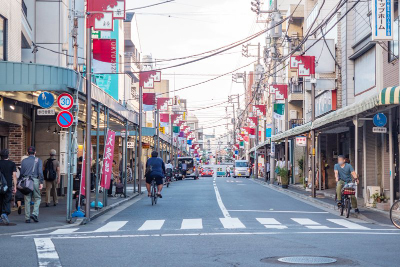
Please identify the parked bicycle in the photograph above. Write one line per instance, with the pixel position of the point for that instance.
(395, 214)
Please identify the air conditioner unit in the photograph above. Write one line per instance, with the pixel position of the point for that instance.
(293, 115)
(370, 191)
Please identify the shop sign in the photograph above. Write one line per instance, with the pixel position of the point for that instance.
(379, 130)
(108, 160)
(1, 108)
(382, 20)
(325, 102)
(146, 145)
(301, 141)
(131, 145)
(46, 112)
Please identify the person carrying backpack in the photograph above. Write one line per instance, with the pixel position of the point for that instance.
(8, 176)
(51, 173)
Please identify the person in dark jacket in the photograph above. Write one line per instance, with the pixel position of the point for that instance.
(155, 169)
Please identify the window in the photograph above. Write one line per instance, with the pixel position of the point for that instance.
(394, 45)
(364, 72)
(3, 38)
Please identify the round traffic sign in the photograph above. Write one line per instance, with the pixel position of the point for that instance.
(65, 119)
(65, 101)
(380, 120)
(46, 100)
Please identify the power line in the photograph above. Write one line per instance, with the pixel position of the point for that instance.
(156, 4)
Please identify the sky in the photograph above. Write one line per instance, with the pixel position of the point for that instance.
(187, 27)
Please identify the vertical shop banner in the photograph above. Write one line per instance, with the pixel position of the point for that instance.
(164, 119)
(149, 101)
(83, 173)
(104, 56)
(108, 160)
(162, 103)
(382, 20)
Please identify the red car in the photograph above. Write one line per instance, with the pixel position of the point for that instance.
(207, 173)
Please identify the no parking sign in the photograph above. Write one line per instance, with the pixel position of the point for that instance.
(65, 119)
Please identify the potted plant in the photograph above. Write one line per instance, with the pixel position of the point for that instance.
(300, 162)
(381, 199)
(375, 197)
(284, 174)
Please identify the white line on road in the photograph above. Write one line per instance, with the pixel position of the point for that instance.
(111, 227)
(304, 221)
(232, 223)
(152, 225)
(192, 224)
(64, 231)
(283, 211)
(219, 200)
(46, 252)
(271, 223)
(348, 224)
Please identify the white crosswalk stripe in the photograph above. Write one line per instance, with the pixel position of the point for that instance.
(192, 224)
(152, 225)
(348, 224)
(309, 223)
(111, 227)
(232, 223)
(64, 231)
(271, 223)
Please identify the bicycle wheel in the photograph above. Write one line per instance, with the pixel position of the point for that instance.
(347, 207)
(395, 214)
(341, 208)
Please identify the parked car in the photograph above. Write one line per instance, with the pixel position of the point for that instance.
(191, 168)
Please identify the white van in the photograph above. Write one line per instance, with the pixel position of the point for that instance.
(241, 168)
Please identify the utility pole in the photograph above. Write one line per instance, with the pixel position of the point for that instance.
(88, 118)
(139, 154)
(313, 192)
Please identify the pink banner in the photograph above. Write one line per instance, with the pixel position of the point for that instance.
(108, 158)
(83, 174)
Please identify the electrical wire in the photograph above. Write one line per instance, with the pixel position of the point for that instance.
(156, 4)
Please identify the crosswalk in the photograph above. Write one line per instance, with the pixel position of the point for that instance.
(223, 223)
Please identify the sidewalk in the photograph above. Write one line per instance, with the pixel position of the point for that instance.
(326, 199)
(55, 216)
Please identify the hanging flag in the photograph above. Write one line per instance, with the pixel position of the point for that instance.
(108, 158)
(174, 117)
(104, 56)
(252, 133)
(164, 119)
(281, 91)
(149, 100)
(268, 132)
(189, 142)
(254, 120)
(181, 134)
(241, 144)
(279, 111)
(162, 103)
(83, 172)
(261, 110)
(162, 130)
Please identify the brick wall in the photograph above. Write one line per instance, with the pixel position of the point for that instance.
(16, 143)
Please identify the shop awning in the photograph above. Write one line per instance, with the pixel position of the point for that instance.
(292, 132)
(390, 95)
(259, 146)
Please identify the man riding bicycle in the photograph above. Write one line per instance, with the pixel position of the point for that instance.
(155, 169)
(344, 173)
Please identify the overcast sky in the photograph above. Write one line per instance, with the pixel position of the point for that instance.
(187, 27)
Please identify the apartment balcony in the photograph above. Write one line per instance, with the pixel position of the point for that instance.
(295, 90)
(295, 123)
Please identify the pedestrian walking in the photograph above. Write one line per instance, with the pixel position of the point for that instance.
(8, 171)
(33, 167)
(19, 197)
(267, 171)
(52, 177)
(129, 174)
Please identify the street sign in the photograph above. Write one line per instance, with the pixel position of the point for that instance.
(65, 119)
(379, 130)
(65, 101)
(46, 100)
(131, 145)
(46, 112)
(380, 120)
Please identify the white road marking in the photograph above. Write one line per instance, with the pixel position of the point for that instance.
(283, 211)
(219, 200)
(152, 225)
(232, 223)
(231, 234)
(64, 231)
(111, 227)
(192, 224)
(304, 221)
(348, 224)
(271, 223)
(46, 252)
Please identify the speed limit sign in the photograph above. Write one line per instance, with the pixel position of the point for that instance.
(65, 101)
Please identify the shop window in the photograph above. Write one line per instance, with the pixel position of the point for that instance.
(394, 45)
(3, 38)
(364, 72)
(3, 142)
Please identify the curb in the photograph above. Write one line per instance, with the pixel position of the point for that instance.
(108, 208)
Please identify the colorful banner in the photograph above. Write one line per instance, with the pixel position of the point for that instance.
(83, 172)
(108, 158)
(149, 100)
(104, 56)
(162, 130)
(253, 120)
(162, 103)
(261, 110)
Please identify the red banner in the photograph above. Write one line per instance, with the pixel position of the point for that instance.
(83, 174)
(164, 117)
(261, 108)
(108, 158)
(162, 103)
(104, 56)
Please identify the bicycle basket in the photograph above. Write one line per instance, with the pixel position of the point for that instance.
(349, 191)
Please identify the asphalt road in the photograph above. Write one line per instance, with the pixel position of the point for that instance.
(209, 222)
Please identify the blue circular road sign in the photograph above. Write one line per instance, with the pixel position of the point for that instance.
(65, 119)
(380, 120)
(46, 100)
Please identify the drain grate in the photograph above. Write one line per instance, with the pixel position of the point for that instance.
(307, 260)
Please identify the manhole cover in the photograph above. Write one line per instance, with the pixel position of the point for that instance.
(307, 260)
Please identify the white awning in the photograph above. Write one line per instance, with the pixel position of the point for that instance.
(293, 132)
